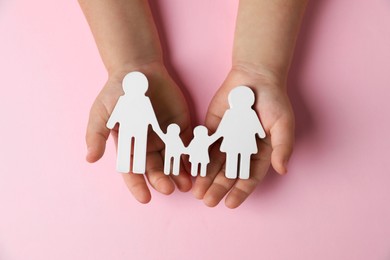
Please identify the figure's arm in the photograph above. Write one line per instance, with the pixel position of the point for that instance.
(153, 119)
(162, 136)
(221, 128)
(214, 137)
(259, 130)
(187, 150)
(183, 147)
(114, 116)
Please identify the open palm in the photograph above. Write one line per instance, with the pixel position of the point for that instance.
(276, 116)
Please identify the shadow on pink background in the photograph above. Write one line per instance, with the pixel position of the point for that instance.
(333, 204)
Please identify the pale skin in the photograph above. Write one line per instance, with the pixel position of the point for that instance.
(264, 41)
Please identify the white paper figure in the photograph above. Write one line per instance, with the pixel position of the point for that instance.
(238, 127)
(198, 150)
(174, 148)
(134, 113)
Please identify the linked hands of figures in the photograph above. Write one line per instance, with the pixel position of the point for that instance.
(219, 120)
(135, 113)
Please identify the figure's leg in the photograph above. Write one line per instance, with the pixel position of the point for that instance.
(139, 159)
(176, 165)
(167, 164)
(231, 166)
(245, 166)
(123, 155)
(194, 169)
(203, 169)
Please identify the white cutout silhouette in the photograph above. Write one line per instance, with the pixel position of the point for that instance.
(198, 150)
(174, 148)
(238, 127)
(134, 113)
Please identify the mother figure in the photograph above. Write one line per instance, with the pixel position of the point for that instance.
(238, 127)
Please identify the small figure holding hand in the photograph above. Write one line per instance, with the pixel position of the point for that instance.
(174, 148)
(198, 150)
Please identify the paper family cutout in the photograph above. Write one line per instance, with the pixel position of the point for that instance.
(134, 113)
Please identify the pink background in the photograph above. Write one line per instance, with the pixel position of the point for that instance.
(333, 204)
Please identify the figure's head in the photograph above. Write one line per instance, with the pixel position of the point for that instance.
(200, 131)
(241, 97)
(173, 129)
(135, 83)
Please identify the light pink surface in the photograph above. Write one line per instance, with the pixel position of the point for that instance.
(333, 204)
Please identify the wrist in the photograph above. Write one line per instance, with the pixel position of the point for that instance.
(147, 67)
(264, 75)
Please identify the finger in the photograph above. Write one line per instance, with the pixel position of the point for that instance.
(135, 182)
(156, 177)
(218, 189)
(183, 180)
(137, 186)
(282, 141)
(202, 184)
(243, 188)
(96, 136)
(186, 165)
(212, 121)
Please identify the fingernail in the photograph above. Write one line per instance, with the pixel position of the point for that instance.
(89, 152)
(285, 164)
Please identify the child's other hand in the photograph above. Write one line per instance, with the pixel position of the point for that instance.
(169, 106)
(276, 115)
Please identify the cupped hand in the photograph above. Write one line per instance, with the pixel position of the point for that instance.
(275, 112)
(169, 106)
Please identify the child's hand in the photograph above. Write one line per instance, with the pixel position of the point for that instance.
(273, 106)
(169, 106)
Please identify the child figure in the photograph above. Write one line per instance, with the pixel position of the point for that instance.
(198, 150)
(174, 148)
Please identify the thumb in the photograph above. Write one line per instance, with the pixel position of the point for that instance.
(282, 141)
(96, 136)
